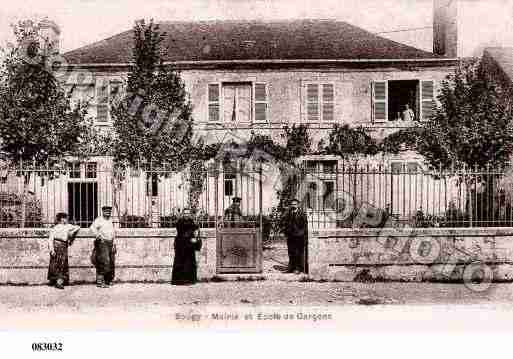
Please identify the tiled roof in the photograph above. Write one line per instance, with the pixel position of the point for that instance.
(254, 40)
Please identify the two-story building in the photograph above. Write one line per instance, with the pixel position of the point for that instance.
(260, 76)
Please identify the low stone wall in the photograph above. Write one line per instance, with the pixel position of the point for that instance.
(411, 254)
(142, 255)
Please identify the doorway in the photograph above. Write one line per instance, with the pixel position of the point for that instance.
(82, 203)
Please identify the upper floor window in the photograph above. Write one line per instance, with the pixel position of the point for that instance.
(402, 100)
(319, 102)
(106, 91)
(237, 102)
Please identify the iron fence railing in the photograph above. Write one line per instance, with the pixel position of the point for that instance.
(140, 197)
(334, 194)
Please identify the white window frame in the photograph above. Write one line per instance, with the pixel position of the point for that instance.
(420, 111)
(109, 81)
(218, 102)
(320, 100)
(255, 102)
(221, 105)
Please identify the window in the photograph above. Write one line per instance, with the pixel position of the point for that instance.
(402, 100)
(235, 102)
(106, 91)
(260, 102)
(74, 170)
(102, 101)
(213, 103)
(320, 102)
(90, 170)
(229, 182)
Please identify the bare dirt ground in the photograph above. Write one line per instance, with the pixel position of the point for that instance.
(141, 306)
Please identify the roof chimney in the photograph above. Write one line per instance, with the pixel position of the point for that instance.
(445, 28)
(50, 33)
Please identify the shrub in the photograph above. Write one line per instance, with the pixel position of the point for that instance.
(11, 211)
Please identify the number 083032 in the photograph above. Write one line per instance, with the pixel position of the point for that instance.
(44, 347)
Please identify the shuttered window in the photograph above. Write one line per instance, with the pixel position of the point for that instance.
(213, 102)
(328, 102)
(320, 102)
(427, 99)
(106, 91)
(260, 102)
(312, 102)
(379, 101)
(102, 100)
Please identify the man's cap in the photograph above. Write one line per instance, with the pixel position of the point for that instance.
(294, 200)
(236, 199)
(107, 208)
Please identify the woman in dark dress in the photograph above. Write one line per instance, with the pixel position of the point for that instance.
(61, 237)
(186, 245)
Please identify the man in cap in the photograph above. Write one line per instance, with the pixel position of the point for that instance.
(295, 224)
(104, 252)
(233, 214)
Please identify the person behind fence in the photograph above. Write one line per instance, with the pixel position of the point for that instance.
(61, 237)
(296, 230)
(233, 214)
(104, 252)
(187, 242)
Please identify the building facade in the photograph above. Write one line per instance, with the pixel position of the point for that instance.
(248, 77)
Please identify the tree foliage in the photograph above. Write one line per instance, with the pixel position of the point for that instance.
(153, 121)
(346, 142)
(38, 123)
(471, 127)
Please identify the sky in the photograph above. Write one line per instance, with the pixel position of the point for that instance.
(480, 22)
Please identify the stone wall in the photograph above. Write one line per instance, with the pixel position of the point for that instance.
(412, 254)
(142, 255)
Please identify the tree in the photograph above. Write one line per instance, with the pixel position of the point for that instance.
(153, 120)
(472, 126)
(38, 124)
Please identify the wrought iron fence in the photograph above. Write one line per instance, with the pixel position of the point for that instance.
(140, 197)
(334, 194)
(338, 194)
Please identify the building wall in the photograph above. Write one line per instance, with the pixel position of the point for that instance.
(286, 106)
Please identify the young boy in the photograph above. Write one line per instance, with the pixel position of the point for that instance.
(61, 237)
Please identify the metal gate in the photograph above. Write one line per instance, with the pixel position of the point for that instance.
(238, 201)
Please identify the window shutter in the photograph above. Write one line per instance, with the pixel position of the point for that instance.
(427, 99)
(312, 102)
(379, 101)
(102, 101)
(213, 102)
(328, 102)
(260, 102)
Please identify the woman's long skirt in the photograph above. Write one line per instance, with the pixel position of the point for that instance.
(59, 267)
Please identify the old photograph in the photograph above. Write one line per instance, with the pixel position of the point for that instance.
(255, 164)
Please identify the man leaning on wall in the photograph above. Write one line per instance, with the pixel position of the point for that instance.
(104, 252)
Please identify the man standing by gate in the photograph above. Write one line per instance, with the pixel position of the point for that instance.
(104, 252)
(296, 230)
(233, 214)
